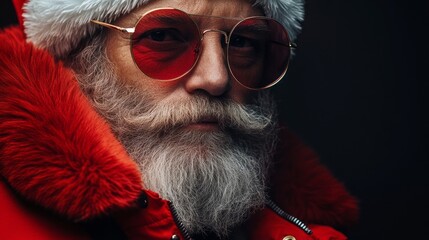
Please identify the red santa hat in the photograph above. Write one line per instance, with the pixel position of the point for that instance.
(59, 25)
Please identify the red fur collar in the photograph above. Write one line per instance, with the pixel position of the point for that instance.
(56, 151)
(54, 148)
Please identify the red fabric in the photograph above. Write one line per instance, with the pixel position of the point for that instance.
(304, 188)
(19, 221)
(268, 225)
(153, 222)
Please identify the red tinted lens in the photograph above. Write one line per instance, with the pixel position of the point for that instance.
(165, 43)
(258, 52)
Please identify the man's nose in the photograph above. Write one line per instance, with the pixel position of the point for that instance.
(211, 71)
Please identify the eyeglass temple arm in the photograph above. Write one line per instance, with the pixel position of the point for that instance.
(114, 27)
(291, 45)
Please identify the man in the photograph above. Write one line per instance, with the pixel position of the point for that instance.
(151, 120)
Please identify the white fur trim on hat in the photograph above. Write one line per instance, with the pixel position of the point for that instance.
(59, 25)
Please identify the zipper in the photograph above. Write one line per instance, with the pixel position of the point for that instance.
(289, 217)
(270, 204)
(179, 223)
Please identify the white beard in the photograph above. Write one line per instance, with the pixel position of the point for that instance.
(213, 178)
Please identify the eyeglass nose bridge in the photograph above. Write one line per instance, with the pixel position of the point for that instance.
(215, 30)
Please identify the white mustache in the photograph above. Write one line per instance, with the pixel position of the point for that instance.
(200, 108)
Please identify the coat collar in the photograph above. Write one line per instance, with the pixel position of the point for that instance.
(56, 151)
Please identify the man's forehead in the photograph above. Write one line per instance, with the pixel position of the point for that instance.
(238, 9)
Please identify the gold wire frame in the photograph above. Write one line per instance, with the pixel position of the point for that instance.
(227, 36)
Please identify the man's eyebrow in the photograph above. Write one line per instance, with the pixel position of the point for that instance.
(257, 27)
(170, 19)
(215, 16)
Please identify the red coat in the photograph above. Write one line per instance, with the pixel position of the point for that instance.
(65, 176)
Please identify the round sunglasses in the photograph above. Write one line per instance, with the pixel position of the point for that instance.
(166, 44)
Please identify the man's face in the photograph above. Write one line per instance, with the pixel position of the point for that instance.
(202, 141)
(210, 75)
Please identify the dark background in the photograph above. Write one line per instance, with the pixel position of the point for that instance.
(355, 92)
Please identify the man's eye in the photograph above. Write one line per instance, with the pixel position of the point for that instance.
(245, 43)
(162, 35)
(238, 41)
(158, 35)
